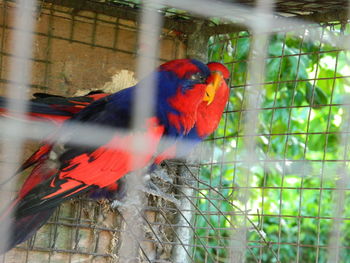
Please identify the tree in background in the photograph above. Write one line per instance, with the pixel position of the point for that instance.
(290, 203)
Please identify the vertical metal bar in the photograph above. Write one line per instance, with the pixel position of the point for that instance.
(306, 143)
(340, 193)
(224, 117)
(184, 220)
(324, 164)
(143, 108)
(256, 69)
(148, 49)
(344, 179)
(285, 153)
(20, 69)
(270, 137)
(197, 48)
(238, 139)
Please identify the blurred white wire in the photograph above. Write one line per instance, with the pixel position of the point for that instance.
(143, 108)
(20, 73)
(256, 70)
(339, 194)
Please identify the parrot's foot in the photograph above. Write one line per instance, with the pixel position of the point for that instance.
(152, 189)
(153, 184)
(161, 174)
(149, 188)
(120, 203)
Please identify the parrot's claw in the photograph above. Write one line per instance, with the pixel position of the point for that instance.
(118, 203)
(124, 203)
(161, 174)
(161, 177)
(152, 189)
(148, 188)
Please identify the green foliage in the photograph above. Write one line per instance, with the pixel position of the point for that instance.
(296, 123)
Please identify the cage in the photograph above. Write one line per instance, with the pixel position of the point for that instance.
(270, 185)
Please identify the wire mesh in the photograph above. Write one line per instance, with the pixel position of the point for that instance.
(79, 230)
(293, 138)
(274, 190)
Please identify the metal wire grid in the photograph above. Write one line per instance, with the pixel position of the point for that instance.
(210, 191)
(293, 7)
(72, 222)
(300, 7)
(233, 136)
(72, 219)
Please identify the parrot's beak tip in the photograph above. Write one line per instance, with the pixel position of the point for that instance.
(212, 87)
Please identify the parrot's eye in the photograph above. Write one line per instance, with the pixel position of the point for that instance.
(198, 77)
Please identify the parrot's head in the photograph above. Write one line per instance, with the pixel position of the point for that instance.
(216, 96)
(216, 83)
(186, 83)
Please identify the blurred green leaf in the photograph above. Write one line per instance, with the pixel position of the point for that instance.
(315, 96)
(280, 190)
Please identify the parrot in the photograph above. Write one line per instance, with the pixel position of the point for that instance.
(63, 172)
(59, 108)
(209, 112)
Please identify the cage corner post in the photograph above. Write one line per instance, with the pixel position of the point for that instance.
(197, 42)
(197, 48)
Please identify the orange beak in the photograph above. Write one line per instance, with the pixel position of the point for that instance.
(212, 87)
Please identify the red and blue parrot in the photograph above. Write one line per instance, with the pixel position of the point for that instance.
(190, 99)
